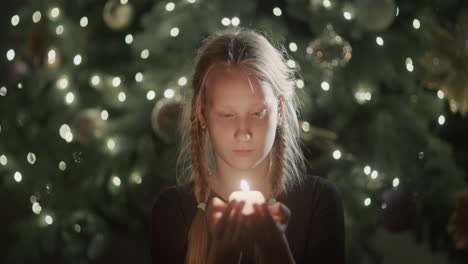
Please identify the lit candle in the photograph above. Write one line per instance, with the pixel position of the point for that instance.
(248, 196)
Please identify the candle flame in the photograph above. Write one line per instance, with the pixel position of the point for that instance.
(244, 186)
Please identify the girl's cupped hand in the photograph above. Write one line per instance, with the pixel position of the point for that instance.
(226, 225)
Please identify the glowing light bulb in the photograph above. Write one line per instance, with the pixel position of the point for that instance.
(84, 22)
(336, 154)
(174, 32)
(169, 93)
(170, 6)
(150, 95)
(129, 38)
(277, 11)
(10, 54)
(325, 86)
(15, 20)
(36, 17)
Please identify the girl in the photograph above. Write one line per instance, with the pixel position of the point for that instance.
(243, 125)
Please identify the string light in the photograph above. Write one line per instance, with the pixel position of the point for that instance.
(150, 95)
(36, 208)
(111, 144)
(48, 219)
(337, 154)
(441, 120)
(305, 126)
(95, 80)
(362, 96)
(10, 54)
(293, 46)
(170, 6)
(59, 30)
(395, 182)
(367, 201)
(326, 3)
(51, 55)
(17, 176)
(129, 38)
(440, 94)
(69, 98)
(300, 84)
(116, 81)
(379, 41)
(225, 21)
(3, 160)
(182, 81)
(15, 20)
(122, 97)
(416, 23)
(136, 178)
(123, 2)
(367, 170)
(409, 64)
(291, 64)
(347, 15)
(3, 91)
(374, 174)
(277, 11)
(62, 166)
(169, 93)
(54, 13)
(62, 83)
(36, 17)
(77, 228)
(77, 59)
(116, 181)
(65, 132)
(397, 11)
(174, 32)
(235, 21)
(325, 86)
(84, 22)
(31, 158)
(20, 86)
(104, 115)
(144, 54)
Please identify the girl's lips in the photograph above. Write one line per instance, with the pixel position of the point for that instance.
(243, 151)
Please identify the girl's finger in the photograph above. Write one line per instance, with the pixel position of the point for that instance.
(237, 224)
(226, 214)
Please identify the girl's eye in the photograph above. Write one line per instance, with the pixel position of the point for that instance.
(226, 115)
(260, 113)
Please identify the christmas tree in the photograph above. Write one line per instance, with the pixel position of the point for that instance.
(91, 93)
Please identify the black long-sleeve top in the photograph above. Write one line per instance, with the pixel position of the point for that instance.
(315, 232)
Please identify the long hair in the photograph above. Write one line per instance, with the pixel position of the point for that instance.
(247, 49)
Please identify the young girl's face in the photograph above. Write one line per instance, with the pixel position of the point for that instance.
(240, 113)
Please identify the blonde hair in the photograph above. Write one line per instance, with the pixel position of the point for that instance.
(248, 49)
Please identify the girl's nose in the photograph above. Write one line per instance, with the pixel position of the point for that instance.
(243, 135)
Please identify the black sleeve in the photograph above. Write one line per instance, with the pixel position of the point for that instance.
(326, 240)
(168, 229)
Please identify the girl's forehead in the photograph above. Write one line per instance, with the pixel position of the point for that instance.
(225, 84)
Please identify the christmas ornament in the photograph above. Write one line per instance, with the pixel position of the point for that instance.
(88, 125)
(165, 118)
(116, 15)
(329, 50)
(458, 225)
(398, 211)
(375, 15)
(446, 64)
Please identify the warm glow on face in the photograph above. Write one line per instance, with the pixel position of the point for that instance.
(244, 186)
